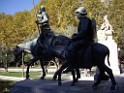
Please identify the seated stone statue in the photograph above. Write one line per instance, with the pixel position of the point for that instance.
(106, 30)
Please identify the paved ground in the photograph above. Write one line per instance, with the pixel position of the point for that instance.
(83, 86)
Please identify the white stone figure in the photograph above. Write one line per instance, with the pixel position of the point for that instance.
(106, 25)
(106, 30)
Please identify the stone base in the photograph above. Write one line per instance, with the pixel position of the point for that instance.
(50, 86)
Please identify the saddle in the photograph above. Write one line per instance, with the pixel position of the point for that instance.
(85, 57)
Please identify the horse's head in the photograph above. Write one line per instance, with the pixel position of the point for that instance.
(17, 53)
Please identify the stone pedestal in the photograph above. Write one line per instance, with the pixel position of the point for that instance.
(112, 45)
(49, 86)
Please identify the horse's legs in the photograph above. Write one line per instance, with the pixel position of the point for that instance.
(56, 61)
(27, 72)
(59, 72)
(28, 66)
(43, 69)
(55, 75)
(109, 71)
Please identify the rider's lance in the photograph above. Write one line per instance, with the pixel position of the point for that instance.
(36, 17)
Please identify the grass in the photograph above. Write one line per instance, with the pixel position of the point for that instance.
(38, 67)
(32, 74)
(19, 74)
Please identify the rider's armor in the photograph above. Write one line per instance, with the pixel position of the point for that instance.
(43, 19)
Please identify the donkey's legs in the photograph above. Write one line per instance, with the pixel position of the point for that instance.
(109, 71)
(101, 70)
(74, 78)
(28, 66)
(78, 74)
(98, 80)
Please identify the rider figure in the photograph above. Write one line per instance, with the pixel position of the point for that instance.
(82, 39)
(43, 19)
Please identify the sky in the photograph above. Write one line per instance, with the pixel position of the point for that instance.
(12, 6)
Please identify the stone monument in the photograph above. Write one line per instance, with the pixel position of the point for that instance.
(105, 36)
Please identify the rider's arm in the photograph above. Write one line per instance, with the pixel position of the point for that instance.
(39, 15)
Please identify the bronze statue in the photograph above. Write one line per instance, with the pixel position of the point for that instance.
(82, 39)
(43, 19)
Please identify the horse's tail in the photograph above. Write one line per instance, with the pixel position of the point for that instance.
(108, 53)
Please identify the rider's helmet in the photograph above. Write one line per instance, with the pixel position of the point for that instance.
(81, 10)
(42, 8)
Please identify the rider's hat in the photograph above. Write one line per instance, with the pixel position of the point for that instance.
(81, 10)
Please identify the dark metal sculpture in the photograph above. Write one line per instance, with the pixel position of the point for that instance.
(45, 48)
(99, 52)
(49, 46)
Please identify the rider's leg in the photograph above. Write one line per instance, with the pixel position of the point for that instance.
(71, 55)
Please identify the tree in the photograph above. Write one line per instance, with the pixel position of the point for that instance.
(62, 12)
(95, 9)
(16, 28)
(116, 13)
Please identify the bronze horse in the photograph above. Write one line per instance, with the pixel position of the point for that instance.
(42, 49)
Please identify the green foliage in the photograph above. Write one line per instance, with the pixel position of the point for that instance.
(69, 31)
(27, 57)
(19, 74)
(95, 9)
(21, 26)
(116, 14)
(62, 12)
